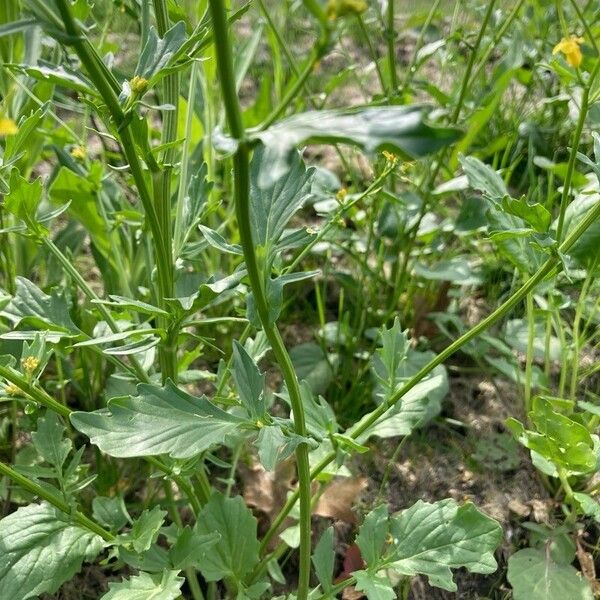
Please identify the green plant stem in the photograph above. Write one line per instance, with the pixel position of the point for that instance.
(410, 71)
(586, 26)
(530, 350)
(552, 264)
(390, 38)
(297, 86)
(497, 37)
(372, 52)
(162, 194)
(38, 490)
(576, 335)
(242, 210)
(190, 572)
(109, 88)
(583, 110)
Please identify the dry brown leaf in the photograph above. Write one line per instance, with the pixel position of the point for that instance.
(339, 498)
(588, 568)
(519, 508)
(350, 593)
(266, 491)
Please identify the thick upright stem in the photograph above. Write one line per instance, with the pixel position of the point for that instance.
(242, 210)
(108, 88)
(162, 192)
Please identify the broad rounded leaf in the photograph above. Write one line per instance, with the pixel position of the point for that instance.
(157, 421)
(432, 539)
(535, 576)
(40, 550)
(236, 552)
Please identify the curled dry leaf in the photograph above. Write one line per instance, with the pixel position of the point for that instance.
(588, 568)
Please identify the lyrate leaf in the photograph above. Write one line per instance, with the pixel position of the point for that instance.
(535, 214)
(433, 539)
(158, 421)
(40, 550)
(158, 586)
(323, 559)
(236, 553)
(533, 575)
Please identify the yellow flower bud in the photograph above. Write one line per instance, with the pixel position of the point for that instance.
(79, 153)
(390, 156)
(12, 390)
(139, 85)
(570, 48)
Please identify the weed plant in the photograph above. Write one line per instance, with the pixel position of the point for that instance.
(237, 232)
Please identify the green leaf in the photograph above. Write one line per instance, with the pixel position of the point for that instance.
(190, 548)
(273, 205)
(534, 214)
(57, 75)
(483, 178)
(122, 303)
(31, 306)
(110, 512)
(312, 366)
(159, 586)
(323, 559)
(23, 201)
(81, 191)
(159, 53)
(533, 575)
(274, 445)
(374, 586)
(145, 530)
(557, 438)
(158, 421)
(40, 550)
(586, 249)
(458, 270)
(236, 553)
(589, 506)
(432, 539)
(418, 406)
(49, 440)
(372, 535)
(400, 129)
(249, 382)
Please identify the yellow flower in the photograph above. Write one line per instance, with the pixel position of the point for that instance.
(30, 364)
(12, 390)
(341, 194)
(570, 48)
(7, 127)
(138, 85)
(79, 153)
(390, 156)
